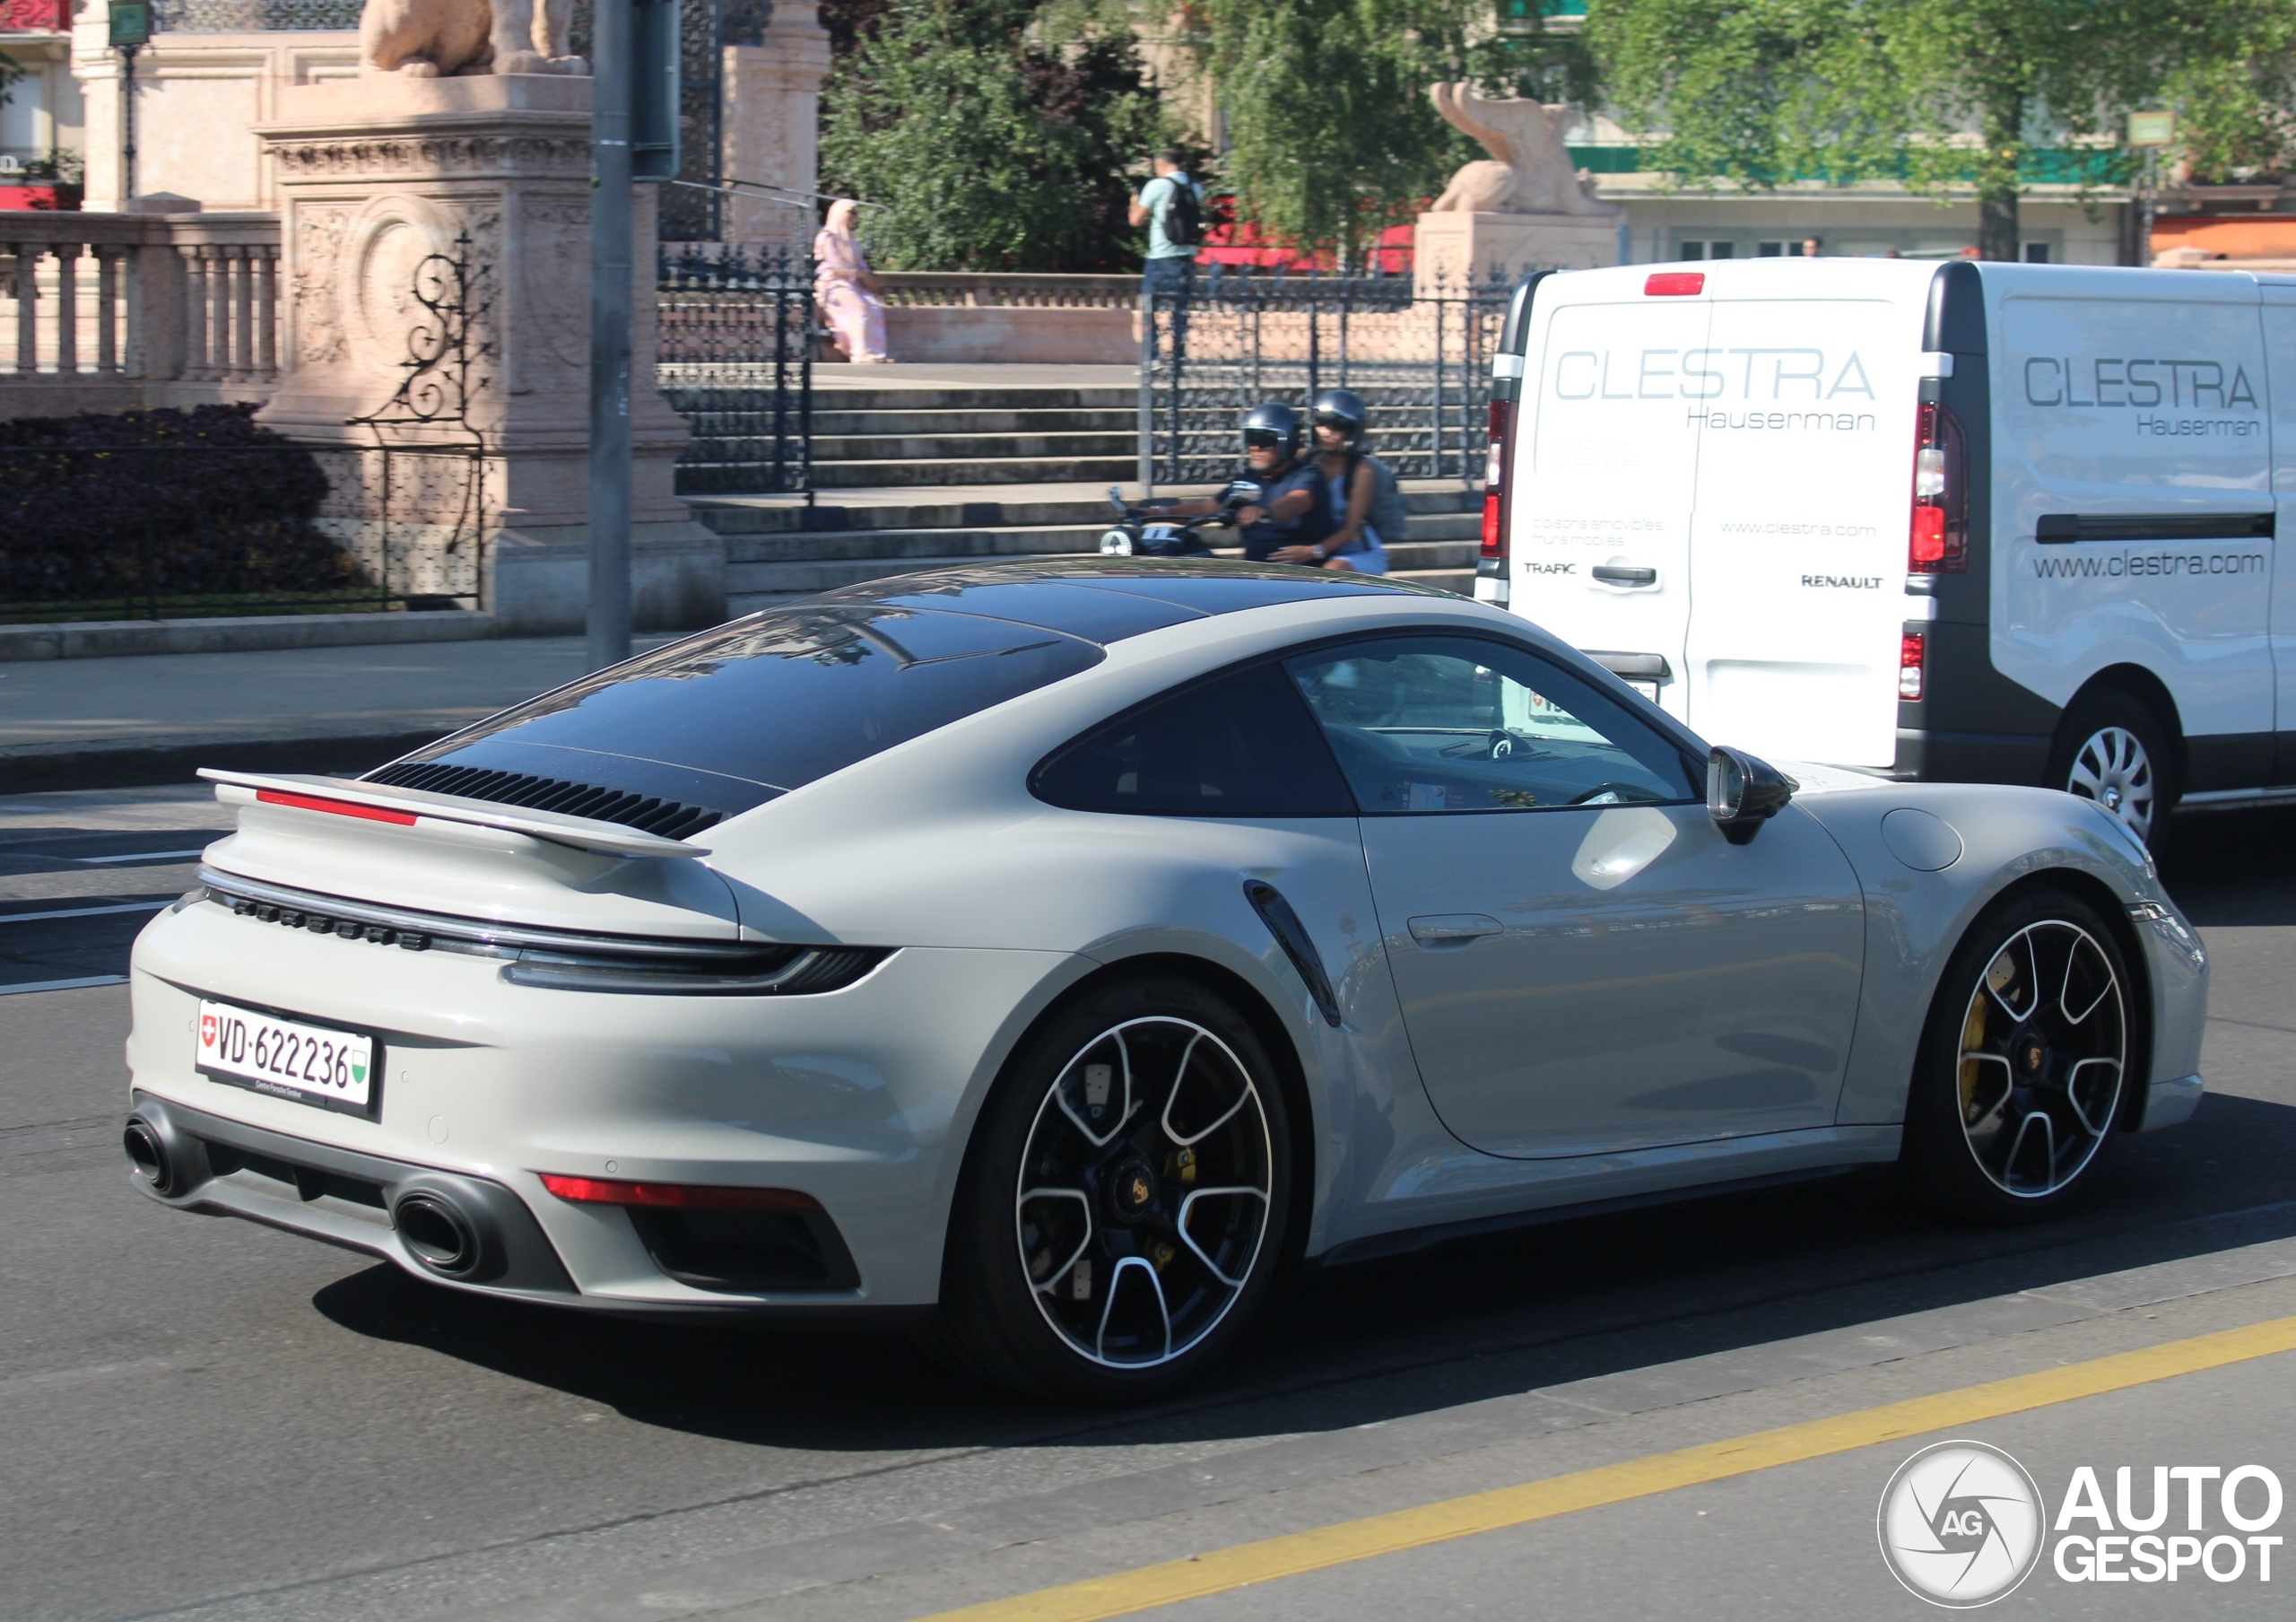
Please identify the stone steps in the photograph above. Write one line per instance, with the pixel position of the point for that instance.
(837, 450)
(831, 419)
(873, 475)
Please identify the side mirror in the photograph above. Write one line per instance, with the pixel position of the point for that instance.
(1243, 493)
(1742, 793)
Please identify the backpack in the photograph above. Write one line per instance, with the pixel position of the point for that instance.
(1388, 514)
(1184, 214)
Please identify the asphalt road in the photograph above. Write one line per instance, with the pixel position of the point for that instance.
(209, 1419)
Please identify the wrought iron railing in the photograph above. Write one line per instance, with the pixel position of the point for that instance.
(735, 357)
(1420, 359)
(253, 16)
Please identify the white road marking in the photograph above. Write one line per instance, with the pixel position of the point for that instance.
(123, 906)
(64, 985)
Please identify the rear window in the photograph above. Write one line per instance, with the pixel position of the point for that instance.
(730, 718)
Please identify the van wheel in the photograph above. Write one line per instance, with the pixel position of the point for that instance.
(1122, 1206)
(2113, 749)
(2024, 1063)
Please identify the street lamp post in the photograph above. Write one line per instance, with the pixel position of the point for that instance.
(131, 31)
(2150, 130)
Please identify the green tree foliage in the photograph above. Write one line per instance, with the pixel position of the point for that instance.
(996, 146)
(1330, 134)
(1944, 94)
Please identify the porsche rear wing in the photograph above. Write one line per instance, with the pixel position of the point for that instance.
(381, 802)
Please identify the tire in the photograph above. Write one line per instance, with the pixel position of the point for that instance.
(1135, 1251)
(2014, 1101)
(2113, 749)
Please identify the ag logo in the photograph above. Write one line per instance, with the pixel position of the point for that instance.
(1960, 1525)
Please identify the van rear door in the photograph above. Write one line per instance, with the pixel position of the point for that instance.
(1807, 391)
(1605, 456)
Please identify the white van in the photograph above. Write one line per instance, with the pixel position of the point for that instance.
(1976, 522)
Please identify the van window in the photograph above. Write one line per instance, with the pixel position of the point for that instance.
(1241, 745)
(1452, 723)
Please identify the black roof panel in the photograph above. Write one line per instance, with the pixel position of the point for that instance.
(1079, 595)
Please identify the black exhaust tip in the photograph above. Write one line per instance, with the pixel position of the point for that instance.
(147, 1152)
(438, 1235)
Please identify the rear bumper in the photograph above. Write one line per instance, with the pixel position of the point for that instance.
(226, 1168)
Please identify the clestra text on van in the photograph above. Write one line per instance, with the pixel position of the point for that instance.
(2119, 382)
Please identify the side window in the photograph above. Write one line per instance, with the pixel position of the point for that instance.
(1449, 723)
(1240, 746)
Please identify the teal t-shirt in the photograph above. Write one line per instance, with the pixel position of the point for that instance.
(1156, 198)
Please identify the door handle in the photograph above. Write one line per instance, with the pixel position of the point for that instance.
(1453, 929)
(1615, 574)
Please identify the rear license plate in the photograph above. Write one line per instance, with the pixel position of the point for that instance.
(310, 1064)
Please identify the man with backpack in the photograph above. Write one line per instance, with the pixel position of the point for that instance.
(1171, 206)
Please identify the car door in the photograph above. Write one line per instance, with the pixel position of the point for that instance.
(1585, 963)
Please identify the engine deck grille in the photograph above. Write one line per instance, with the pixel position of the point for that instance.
(670, 818)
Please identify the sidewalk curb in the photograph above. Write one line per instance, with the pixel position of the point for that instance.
(51, 770)
(121, 639)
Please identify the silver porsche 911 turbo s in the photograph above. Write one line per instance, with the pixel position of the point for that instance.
(1043, 956)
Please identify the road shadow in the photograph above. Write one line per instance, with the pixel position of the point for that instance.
(1468, 1320)
(2230, 868)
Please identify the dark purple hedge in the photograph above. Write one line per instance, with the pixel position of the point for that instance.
(161, 503)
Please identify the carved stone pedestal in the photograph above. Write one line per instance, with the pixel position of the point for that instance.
(377, 175)
(1452, 251)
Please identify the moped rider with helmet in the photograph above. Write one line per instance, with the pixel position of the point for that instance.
(1352, 490)
(1291, 510)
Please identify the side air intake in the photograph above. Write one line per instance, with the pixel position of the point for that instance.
(669, 818)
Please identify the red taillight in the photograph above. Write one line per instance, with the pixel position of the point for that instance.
(1912, 649)
(1495, 539)
(1675, 285)
(599, 1190)
(339, 807)
(1937, 541)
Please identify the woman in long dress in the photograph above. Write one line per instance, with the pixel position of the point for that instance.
(847, 290)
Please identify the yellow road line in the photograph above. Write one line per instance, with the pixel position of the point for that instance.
(1146, 1587)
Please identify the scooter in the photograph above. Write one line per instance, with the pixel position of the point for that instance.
(1149, 532)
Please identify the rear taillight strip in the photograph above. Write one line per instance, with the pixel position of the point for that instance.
(334, 808)
(687, 1196)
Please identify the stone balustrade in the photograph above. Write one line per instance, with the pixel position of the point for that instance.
(100, 312)
(913, 289)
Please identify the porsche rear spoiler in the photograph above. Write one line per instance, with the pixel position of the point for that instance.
(380, 802)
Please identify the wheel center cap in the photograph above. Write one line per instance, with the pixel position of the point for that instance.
(2112, 800)
(1132, 1190)
(2030, 1055)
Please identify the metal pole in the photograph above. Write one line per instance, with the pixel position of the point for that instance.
(614, 53)
(126, 124)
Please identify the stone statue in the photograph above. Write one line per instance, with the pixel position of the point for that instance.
(431, 39)
(1530, 171)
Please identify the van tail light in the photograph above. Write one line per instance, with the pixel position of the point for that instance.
(1496, 541)
(1913, 652)
(1938, 540)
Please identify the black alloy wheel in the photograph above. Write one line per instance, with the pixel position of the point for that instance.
(2026, 1065)
(1124, 1197)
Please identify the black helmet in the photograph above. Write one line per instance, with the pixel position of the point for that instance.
(1342, 408)
(1274, 416)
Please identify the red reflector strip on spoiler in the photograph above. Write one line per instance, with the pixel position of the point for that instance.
(1676, 283)
(338, 808)
(599, 1190)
